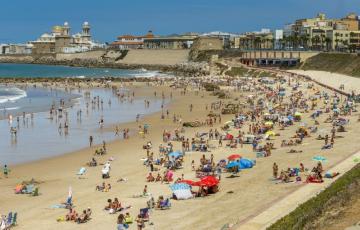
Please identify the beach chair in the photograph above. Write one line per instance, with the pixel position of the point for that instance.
(166, 204)
(144, 212)
(14, 220)
(9, 219)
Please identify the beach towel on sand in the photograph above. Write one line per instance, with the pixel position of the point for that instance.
(81, 171)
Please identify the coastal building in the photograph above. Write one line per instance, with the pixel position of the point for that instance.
(208, 43)
(228, 39)
(61, 41)
(278, 36)
(170, 42)
(263, 39)
(126, 42)
(15, 49)
(322, 33)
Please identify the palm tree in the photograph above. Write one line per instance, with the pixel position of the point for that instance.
(337, 40)
(322, 40)
(328, 42)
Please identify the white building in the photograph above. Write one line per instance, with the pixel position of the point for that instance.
(278, 37)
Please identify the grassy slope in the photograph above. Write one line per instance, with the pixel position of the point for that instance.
(348, 64)
(314, 210)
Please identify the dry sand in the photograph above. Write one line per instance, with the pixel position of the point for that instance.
(253, 191)
(333, 79)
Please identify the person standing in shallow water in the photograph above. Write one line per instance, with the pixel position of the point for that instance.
(6, 171)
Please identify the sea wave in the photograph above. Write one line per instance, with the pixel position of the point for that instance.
(148, 74)
(9, 108)
(10, 94)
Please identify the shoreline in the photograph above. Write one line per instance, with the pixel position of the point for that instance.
(107, 129)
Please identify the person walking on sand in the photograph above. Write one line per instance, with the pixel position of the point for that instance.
(140, 222)
(275, 170)
(91, 140)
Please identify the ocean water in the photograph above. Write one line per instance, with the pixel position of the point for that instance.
(15, 100)
(39, 136)
(38, 71)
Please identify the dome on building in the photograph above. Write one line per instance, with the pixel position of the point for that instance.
(45, 35)
(66, 24)
(86, 24)
(57, 29)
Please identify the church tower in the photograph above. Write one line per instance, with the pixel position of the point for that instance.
(86, 32)
(66, 29)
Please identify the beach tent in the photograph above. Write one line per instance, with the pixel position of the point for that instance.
(182, 191)
(246, 164)
(233, 164)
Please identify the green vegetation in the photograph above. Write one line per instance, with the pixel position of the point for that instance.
(211, 87)
(348, 64)
(338, 193)
(123, 54)
(237, 71)
(220, 94)
(205, 55)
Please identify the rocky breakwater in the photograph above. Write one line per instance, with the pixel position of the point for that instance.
(101, 61)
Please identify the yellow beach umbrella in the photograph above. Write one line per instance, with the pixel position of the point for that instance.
(269, 123)
(297, 114)
(270, 133)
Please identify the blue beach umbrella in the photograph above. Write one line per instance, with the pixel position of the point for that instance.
(233, 164)
(175, 154)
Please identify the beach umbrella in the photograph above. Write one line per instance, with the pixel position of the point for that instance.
(270, 133)
(269, 123)
(266, 114)
(234, 157)
(189, 182)
(297, 114)
(179, 186)
(233, 164)
(175, 154)
(208, 181)
(319, 158)
(291, 118)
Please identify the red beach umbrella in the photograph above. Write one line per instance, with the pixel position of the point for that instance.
(234, 157)
(208, 181)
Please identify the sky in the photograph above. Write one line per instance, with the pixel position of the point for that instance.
(26, 20)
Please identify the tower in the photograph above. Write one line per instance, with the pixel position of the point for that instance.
(85, 35)
(66, 29)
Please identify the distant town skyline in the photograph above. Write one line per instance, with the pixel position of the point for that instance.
(22, 21)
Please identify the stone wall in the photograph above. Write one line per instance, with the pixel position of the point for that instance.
(155, 57)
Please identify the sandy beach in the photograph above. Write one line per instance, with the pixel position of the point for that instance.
(238, 200)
